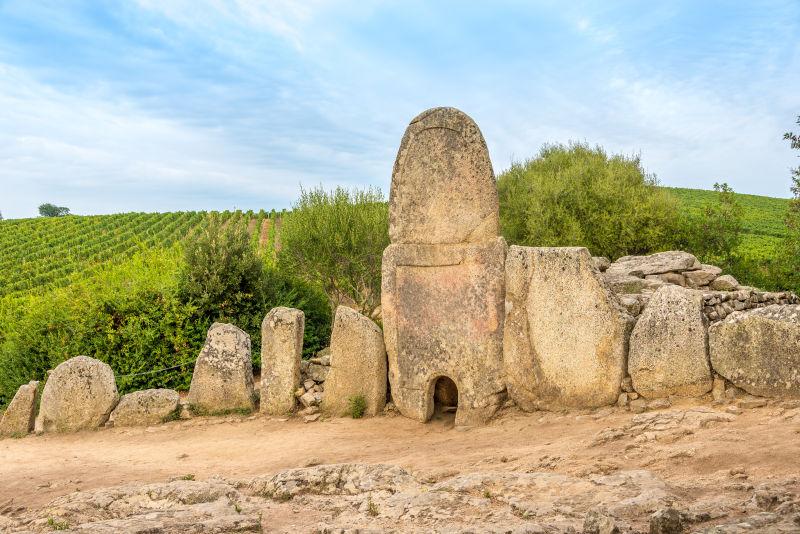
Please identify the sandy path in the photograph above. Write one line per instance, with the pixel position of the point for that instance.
(35, 469)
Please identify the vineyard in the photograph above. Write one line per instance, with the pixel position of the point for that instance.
(39, 254)
(763, 219)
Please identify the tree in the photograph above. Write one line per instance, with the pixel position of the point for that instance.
(716, 233)
(789, 258)
(51, 210)
(577, 195)
(336, 239)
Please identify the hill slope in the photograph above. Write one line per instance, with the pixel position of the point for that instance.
(763, 218)
(43, 253)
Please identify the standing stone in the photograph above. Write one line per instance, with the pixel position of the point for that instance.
(669, 347)
(144, 408)
(79, 394)
(281, 350)
(443, 275)
(565, 334)
(223, 373)
(19, 417)
(358, 364)
(759, 350)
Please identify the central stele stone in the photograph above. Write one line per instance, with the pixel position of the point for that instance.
(443, 288)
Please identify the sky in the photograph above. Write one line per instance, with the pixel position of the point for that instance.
(160, 105)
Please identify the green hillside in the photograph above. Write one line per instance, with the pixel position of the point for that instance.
(47, 252)
(763, 219)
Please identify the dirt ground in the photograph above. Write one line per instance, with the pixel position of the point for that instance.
(697, 460)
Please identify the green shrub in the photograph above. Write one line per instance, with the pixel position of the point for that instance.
(336, 240)
(356, 406)
(576, 195)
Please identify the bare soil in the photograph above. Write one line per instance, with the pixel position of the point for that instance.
(698, 462)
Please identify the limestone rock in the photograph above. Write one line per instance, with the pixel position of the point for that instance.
(759, 350)
(662, 262)
(223, 373)
(668, 347)
(281, 350)
(565, 337)
(145, 408)
(443, 188)
(358, 363)
(79, 394)
(19, 417)
(725, 282)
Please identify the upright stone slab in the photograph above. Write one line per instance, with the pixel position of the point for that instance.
(759, 350)
(19, 417)
(223, 373)
(443, 283)
(281, 350)
(565, 338)
(358, 364)
(79, 394)
(669, 347)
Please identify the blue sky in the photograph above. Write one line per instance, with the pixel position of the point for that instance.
(158, 105)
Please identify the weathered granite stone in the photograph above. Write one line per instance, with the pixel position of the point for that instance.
(223, 373)
(759, 350)
(358, 364)
(565, 335)
(668, 347)
(443, 188)
(281, 350)
(443, 316)
(662, 262)
(442, 276)
(19, 417)
(79, 394)
(703, 276)
(623, 283)
(725, 282)
(601, 263)
(144, 408)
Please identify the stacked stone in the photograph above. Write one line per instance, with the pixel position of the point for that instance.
(636, 278)
(313, 373)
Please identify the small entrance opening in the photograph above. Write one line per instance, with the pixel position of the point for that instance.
(445, 399)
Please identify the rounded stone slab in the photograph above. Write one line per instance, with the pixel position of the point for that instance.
(358, 364)
(759, 350)
(144, 408)
(79, 394)
(19, 417)
(223, 373)
(281, 351)
(565, 333)
(443, 189)
(668, 348)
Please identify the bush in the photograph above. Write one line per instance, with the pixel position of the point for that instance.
(336, 240)
(576, 195)
(356, 406)
(715, 234)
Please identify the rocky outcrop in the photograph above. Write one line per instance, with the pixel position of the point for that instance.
(20, 416)
(565, 338)
(668, 347)
(144, 408)
(759, 350)
(79, 394)
(358, 364)
(223, 373)
(281, 351)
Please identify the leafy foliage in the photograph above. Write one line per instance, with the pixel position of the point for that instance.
(715, 234)
(356, 406)
(789, 259)
(576, 195)
(337, 239)
(51, 210)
